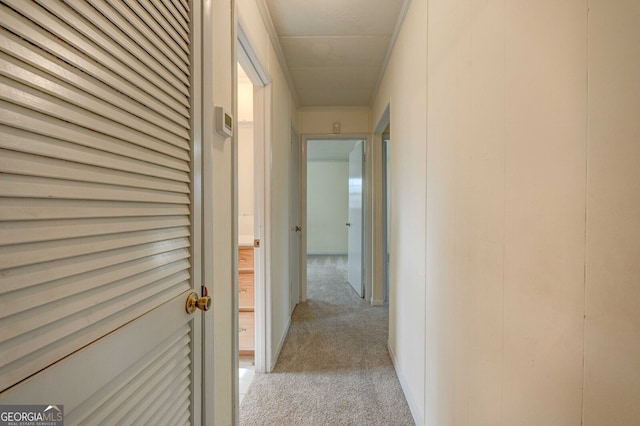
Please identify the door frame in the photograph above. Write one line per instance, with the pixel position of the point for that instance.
(302, 207)
(378, 245)
(219, 357)
(246, 56)
(202, 383)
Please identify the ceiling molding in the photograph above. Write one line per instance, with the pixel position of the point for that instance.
(396, 31)
(273, 35)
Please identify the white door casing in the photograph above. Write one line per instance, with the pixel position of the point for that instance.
(261, 81)
(100, 210)
(355, 223)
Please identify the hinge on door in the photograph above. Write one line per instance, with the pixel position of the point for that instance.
(256, 243)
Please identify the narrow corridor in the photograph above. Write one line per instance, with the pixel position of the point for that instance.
(334, 367)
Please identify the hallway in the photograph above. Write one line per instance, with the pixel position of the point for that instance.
(334, 367)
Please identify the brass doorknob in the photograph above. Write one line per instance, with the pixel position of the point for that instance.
(348, 224)
(298, 228)
(194, 302)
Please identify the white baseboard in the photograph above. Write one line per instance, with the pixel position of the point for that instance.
(274, 359)
(375, 302)
(405, 388)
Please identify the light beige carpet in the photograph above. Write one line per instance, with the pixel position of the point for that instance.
(334, 368)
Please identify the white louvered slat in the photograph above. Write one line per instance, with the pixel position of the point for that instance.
(183, 10)
(31, 98)
(29, 54)
(160, 404)
(13, 162)
(36, 209)
(111, 24)
(117, 402)
(23, 232)
(170, 19)
(36, 187)
(79, 28)
(145, 18)
(95, 195)
(162, 395)
(121, 312)
(117, 391)
(152, 18)
(29, 254)
(143, 92)
(137, 406)
(180, 417)
(20, 346)
(30, 323)
(51, 131)
(56, 290)
(130, 23)
(16, 278)
(179, 12)
(104, 379)
(36, 79)
(119, 72)
(165, 410)
(91, 28)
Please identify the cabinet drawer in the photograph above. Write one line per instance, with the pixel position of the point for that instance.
(245, 258)
(245, 291)
(246, 331)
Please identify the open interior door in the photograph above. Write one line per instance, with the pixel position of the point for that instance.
(354, 225)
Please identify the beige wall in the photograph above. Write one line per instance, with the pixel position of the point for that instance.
(404, 87)
(319, 120)
(493, 116)
(612, 333)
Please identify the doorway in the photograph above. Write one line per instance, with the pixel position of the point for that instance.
(332, 208)
(245, 183)
(251, 185)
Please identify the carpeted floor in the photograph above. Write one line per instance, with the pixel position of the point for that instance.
(334, 368)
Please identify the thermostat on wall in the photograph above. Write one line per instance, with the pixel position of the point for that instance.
(224, 122)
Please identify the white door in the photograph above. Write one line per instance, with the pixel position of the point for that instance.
(354, 272)
(99, 222)
(294, 225)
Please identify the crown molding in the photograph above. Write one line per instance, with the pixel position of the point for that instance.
(396, 31)
(275, 41)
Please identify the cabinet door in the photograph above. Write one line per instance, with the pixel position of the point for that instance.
(246, 331)
(245, 292)
(245, 259)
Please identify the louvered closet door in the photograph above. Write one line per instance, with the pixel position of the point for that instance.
(95, 222)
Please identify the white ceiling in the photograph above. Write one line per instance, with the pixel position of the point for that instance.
(335, 49)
